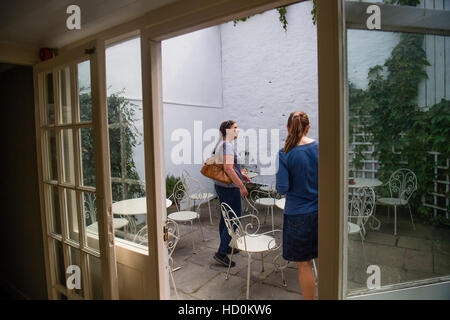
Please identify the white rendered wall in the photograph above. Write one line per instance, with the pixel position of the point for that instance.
(269, 72)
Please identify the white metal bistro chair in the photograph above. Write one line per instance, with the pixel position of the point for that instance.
(266, 199)
(402, 184)
(180, 197)
(141, 237)
(247, 241)
(196, 192)
(361, 208)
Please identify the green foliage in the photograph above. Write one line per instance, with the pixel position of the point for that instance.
(171, 181)
(401, 132)
(314, 12)
(122, 140)
(282, 11)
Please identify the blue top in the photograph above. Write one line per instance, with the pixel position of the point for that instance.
(297, 178)
(227, 150)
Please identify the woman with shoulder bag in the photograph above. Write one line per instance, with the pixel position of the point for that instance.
(229, 193)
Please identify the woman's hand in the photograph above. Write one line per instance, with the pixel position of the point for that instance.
(246, 178)
(243, 191)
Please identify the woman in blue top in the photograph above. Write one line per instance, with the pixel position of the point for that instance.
(297, 178)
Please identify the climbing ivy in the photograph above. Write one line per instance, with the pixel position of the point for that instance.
(282, 11)
(401, 132)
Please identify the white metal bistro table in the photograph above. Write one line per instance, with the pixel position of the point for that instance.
(365, 182)
(133, 207)
(280, 203)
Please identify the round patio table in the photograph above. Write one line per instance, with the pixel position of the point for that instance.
(280, 203)
(132, 207)
(364, 182)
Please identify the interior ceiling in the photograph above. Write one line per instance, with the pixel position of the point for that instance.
(42, 23)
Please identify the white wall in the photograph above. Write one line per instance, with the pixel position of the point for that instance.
(269, 73)
(192, 92)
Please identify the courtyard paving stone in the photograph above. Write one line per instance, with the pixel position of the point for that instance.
(414, 243)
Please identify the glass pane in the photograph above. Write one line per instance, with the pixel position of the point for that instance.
(60, 272)
(95, 277)
(90, 219)
(54, 218)
(115, 151)
(65, 96)
(126, 142)
(51, 161)
(75, 260)
(399, 115)
(68, 156)
(49, 99)
(87, 156)
(71, 214)
(84, 91)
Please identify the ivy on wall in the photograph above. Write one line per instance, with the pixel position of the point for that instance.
(282, 11)
(401, 132)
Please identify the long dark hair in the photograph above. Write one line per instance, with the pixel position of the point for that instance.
(297, 123)
(224, 126)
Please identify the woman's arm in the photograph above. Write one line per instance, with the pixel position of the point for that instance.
(282, 184)
(228, 166)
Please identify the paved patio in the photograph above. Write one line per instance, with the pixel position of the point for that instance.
(411, 255)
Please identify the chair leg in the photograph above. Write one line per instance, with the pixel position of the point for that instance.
(271, 211)
(388, 213)
(248, 274)
(395, 220)
(229, 266)
(410, 213)
(314, 268)
(201, 229)
(193, 238)
(210, 216)
(173, 282)
(262, 262)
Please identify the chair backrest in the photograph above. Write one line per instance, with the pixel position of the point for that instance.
(178, 194)
(234, 223)
(191, 185)
(174, 236)
(362, 205)
(402, 184)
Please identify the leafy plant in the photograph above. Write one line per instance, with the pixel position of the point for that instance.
(401, 132)
(282, 11)
(171, 181)
(122, 140)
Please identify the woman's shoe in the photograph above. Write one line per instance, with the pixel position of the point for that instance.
(223, 260)
(234, 249)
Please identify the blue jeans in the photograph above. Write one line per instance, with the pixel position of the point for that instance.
(232, 197)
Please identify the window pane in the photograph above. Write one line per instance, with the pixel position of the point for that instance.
(71, 214)
(51, 161)
(49, 99)
(126, 144)
(399, 115)
(84, 91)
(87, 156)
(60, 272)
(54, 218)
(95, 277)
(65, 96)
(90, 220)
(68, 156)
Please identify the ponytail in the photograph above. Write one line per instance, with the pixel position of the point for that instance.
(297, 123)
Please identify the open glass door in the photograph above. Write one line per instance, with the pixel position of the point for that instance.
(396, 150)
(74, 180)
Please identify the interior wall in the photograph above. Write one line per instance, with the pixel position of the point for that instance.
(22, 266)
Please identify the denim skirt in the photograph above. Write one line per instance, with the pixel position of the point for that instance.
(300, 237)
